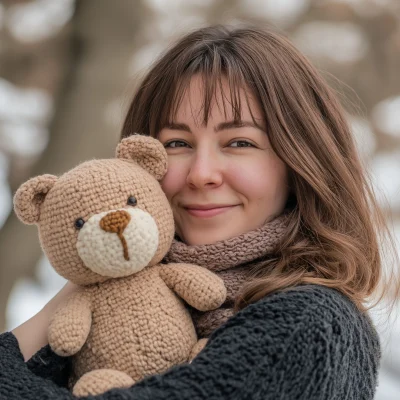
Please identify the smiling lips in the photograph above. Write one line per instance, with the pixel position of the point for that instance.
(207, 211)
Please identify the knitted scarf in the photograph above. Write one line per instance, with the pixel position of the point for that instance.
(230, 259)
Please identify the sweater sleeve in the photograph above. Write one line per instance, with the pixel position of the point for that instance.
(17, 381)
(303, 344)
(49, 365)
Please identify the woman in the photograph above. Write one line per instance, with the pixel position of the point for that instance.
(267, 191)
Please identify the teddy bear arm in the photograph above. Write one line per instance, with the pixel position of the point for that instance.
(70, 325)
(199, 287)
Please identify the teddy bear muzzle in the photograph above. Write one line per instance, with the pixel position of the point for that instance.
(118, 243)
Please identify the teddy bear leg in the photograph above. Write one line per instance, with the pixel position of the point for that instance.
(101, 380)
(197, 348)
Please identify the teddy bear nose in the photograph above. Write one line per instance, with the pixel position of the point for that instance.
(116, 222)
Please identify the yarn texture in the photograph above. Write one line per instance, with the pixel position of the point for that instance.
(106, 225)
(309, 343)
(231, 260)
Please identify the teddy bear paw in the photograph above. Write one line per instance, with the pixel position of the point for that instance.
(101, 380)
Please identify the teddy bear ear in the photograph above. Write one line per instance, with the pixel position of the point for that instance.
(30, 196)
(146, 151)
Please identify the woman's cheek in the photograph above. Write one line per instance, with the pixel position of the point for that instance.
(259, 181)
(174, 179)
(247, 179)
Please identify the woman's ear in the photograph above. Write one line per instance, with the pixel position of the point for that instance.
(30, 196)
(146, 151)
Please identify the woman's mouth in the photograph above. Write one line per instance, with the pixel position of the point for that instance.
(208, 211)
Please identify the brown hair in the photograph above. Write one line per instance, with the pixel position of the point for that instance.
(336, 225)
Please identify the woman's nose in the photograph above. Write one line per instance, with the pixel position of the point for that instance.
(205, 171)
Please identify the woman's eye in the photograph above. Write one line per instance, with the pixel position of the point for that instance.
(173, 144)
(241, 143)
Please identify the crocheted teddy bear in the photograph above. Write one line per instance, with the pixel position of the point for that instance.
(106, 225)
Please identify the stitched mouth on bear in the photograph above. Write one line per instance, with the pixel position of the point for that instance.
(122, 245)
(116, 222)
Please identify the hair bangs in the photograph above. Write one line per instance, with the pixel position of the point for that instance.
(222, 79)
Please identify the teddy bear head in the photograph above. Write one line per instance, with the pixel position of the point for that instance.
(104, 218)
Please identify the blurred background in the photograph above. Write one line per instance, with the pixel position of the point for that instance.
(68, 69)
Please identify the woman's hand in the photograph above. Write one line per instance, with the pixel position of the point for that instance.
(32, 334)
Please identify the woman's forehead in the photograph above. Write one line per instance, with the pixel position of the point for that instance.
(200, 100)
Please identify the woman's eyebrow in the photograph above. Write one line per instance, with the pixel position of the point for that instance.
(179, 126)
(236, 124)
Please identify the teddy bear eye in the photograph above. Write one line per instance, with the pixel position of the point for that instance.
(79, 223)
(132, 201)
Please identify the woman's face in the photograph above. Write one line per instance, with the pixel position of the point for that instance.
(223, 179)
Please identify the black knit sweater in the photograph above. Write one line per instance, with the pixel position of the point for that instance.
(307, 343)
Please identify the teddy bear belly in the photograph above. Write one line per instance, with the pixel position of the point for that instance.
(139, 327)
